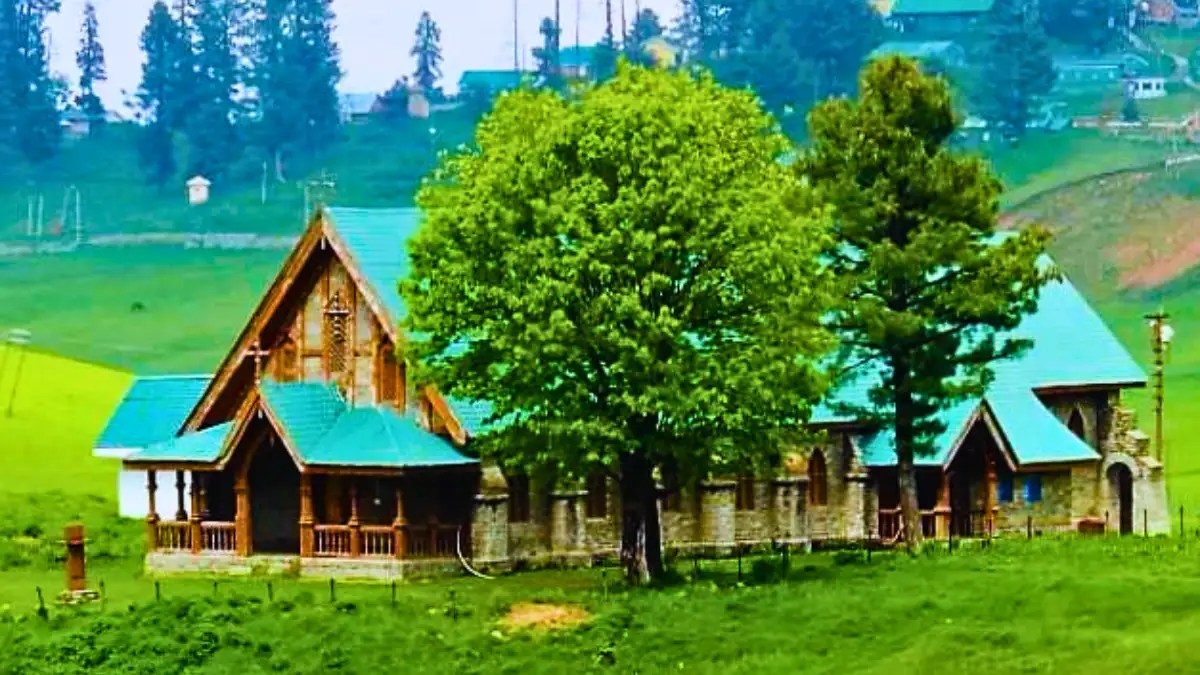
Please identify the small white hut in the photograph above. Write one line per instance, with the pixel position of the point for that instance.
(197, 189)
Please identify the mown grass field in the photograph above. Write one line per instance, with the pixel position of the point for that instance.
(1075, 606)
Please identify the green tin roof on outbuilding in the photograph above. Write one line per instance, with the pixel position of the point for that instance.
(153, 409)
(492, 80)
(914, 49)
(926, 7)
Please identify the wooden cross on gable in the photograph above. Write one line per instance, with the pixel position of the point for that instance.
(258, 354)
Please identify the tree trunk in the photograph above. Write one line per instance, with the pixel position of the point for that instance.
(641, 536)
(905, 441)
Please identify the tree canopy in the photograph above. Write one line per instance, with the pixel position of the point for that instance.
(90, 60)
(631, 277)
(927, 289)
(1017, 67)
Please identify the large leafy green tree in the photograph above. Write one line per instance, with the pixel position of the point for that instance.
(155, 145)
(90, 60)
(427, 50)
(928, 291)
(633, 276)
(1018, 70)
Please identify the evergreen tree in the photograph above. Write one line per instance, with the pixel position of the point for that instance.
(428, 52)
(1094, 25)
(1017, 69)
(646, 26)
(181, 98)
(294, 78)
(604, 59)
(34, 93)
(395, 101)
(549, 55)
(212, 137)
(90, 59)
(156, 145)
(927, 290)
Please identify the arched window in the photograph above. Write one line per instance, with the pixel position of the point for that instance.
(1075, 424)
(818, 477)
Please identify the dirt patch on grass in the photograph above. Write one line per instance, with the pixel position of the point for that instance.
(545, 616)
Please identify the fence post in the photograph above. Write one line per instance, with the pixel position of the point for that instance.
(393, 593)
(1181, 522)
(332, 591)
(157, 592)
(270, 592)
(1145, 522)
(739, 555)
(1029, 527)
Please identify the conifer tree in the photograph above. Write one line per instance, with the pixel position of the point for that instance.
(180, 100)
(1018, 69)
(549, 53)
(212, 137)
(428, 52)
(155, 145)
(35, 94)
(927, 288)
(90, 60)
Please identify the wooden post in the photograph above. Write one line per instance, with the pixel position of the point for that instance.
(181, 514)
(943, 508)
(989, 496)
(241, 489)
(399, 526)
(355, 527)
(152, 515)
(306, 516)
(196, 534)
(433, 534)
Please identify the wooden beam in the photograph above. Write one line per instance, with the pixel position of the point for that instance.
(306, 516)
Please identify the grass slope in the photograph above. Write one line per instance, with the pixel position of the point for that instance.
(81, 303)
(1030, 607)
(61, 405)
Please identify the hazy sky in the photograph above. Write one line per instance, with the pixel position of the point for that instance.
(374, 35)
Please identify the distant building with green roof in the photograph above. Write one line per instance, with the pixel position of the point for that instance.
(491, 81)
(939, 18)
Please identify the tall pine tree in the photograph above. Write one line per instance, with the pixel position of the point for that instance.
(1018, 69)
(156, 148)
(212, 138)
(90, 59)
(180, 101)
(295, 74)
(428, 52)
(29, 88)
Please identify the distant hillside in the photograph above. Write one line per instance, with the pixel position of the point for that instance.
(374, 165)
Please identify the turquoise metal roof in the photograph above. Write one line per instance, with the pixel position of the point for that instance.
(202, 446)
(1072, 347)
(942, 6)
(306, 410)
(153, 409)
(381, 437)
(917, 49)
(324, 430)
(377, 240)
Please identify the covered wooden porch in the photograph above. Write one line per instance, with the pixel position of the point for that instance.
(422, 516)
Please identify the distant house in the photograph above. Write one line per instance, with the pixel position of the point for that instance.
(75, 124)
(932, 18)
(491, 81)
(357, 108)
(576, 61)
(661, 51)
(1142, 87)
(1103, 71)
(943, 52)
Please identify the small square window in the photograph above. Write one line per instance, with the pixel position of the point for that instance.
(1033, 489)
(1004, 489)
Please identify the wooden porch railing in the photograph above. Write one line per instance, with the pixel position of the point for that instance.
(174, 535)
(890, 524)
(331, 541)
(432, 541)
(378, 541)
(218, 536)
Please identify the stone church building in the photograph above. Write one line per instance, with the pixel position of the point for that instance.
(309, 449)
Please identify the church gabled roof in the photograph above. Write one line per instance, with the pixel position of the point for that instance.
(319, 429)
(1072, 348)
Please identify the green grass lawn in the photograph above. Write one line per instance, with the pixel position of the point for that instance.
(1074, 606)
(59, 408)
(81, 304)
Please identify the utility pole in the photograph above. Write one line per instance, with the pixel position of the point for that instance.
(1160, 340)
(516, 39)
(18, 339)
(624, 28)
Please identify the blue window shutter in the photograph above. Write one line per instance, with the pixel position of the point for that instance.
(1033, 488)
(1004, 489)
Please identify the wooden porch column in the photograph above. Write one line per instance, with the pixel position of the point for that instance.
(989, 496)
(241, 488)
(181, 514)
(202, 480)
(306, 516)
(196, 535)
(943, 508)
(399, 526)
(355, 526)
(152, 514)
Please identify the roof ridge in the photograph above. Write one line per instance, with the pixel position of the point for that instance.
(153, 378)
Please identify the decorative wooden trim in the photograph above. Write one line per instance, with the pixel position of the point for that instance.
(242, 419)
(1085, 389)
(342, 251)
(442, 408)
(266, 309)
